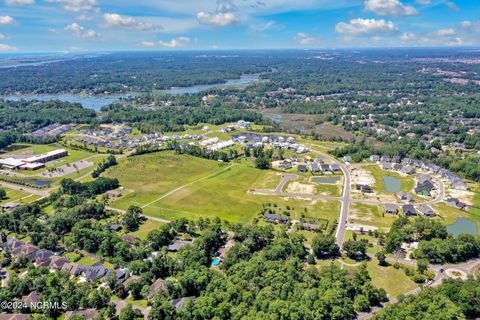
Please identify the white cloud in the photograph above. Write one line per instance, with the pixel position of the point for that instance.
(452, 5)
(2, 36)
(83, 17)
(223, 16)
(148, 44)
(390, 8)
(76, 5)
(408, 36)
(446, 32)
(6, 47)
(19, 2)
(305, 39)
(126, 22)
(175, 43)
(80, 31)
(262, 27)
(423, 1)
(218, 19)
(366, 27)
(4, 20)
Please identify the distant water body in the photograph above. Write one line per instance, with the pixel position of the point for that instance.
(97, 102)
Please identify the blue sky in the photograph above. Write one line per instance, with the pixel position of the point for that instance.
(104, 25)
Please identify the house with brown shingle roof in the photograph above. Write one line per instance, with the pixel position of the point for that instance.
(88, 314)
(156, 287)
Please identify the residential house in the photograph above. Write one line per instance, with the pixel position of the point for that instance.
(275, 218)
(386, 166)
(335, 167)
(130, 239)
(115, 227)
(385, 158)
(302, 167)
(285, 165)
(31, 301)
(24, 250)
(455, 203)
(409, 170)
(95, 271)
(426, 210)
(179, 303)
(313, 167)
(57, 262)
(325, 168)
(72, 268)
(177, 245)
(396, 159)
(391, 208)
(459, 185)
(424, 185)
(398, 167)
(374, 158)
(129, 281)
(409, 210)
(404, 196)
(364, 188)
(87, 314)
(156, 287)
(41, 257)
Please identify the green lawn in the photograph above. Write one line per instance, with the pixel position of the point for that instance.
(15, 196)
(408, 182)
(223, 195)
(145, 228)
(394, 281)
(86, 261)
(148, 177)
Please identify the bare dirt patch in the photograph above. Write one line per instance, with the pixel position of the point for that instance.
(297, 187)
(464, 196)
(362, 176)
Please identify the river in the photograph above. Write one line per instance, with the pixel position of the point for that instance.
(96, 102)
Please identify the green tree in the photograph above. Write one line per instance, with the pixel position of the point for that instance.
(324, 246)
(132, 218)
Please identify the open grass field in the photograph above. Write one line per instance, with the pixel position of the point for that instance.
(17, 196)
(370, 215)
(210, 189)
(148, 177)
(394, 281)
(146, 228)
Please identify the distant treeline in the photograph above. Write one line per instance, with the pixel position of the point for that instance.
(170, 119)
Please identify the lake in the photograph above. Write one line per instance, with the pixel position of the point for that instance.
(332, 180)
(244, 80)
(87, 101)
(99, 101)
(463, 225)
(392, 184)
